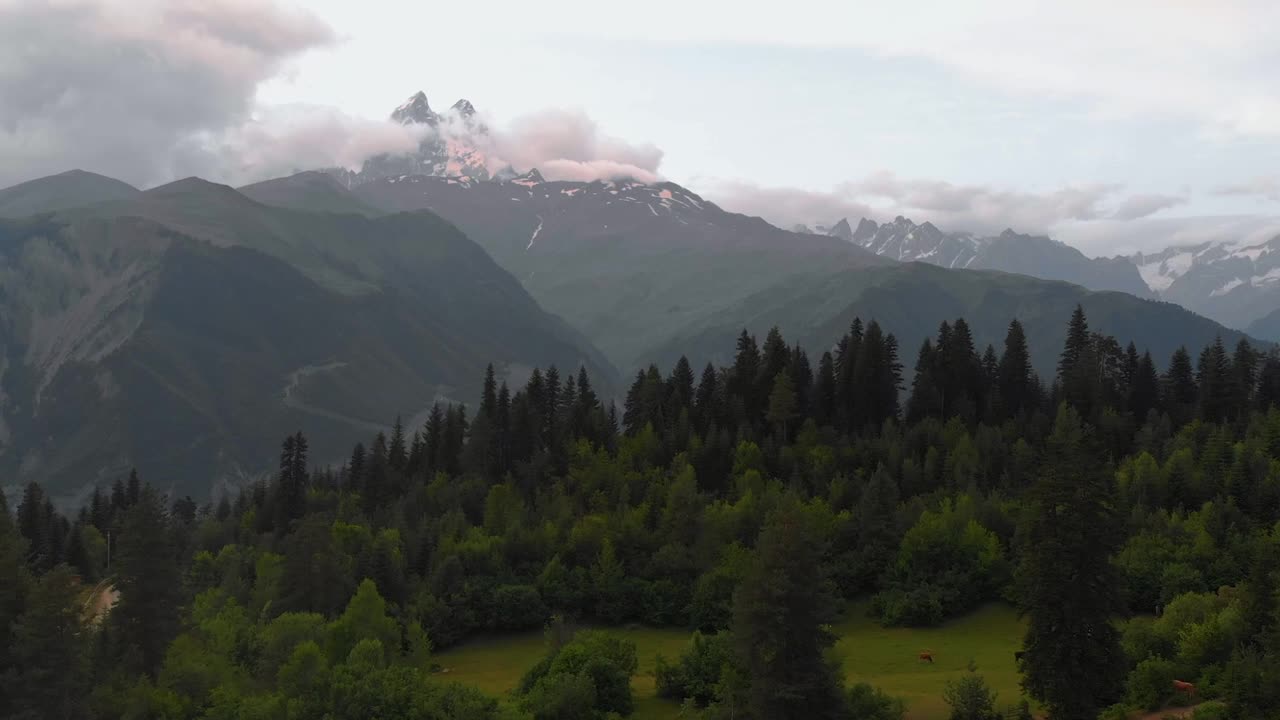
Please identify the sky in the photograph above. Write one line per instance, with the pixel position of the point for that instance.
(1115, 126)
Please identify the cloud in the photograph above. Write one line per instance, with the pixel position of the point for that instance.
(282, 140)
(1135, 207)
(143, 90)
(1262, 187)
(566, 145)
(973, 208)
(1212, 62)
(1112, 237)
(785, 207)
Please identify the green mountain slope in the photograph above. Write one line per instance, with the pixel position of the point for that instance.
(314, 191)
(184, 330)
(628, 264)
(70, 189)
(912, 299)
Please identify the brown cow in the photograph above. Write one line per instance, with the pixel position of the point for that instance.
(1184, 687)
(926, 656)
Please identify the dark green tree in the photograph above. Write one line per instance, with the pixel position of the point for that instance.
(1068, 589)
(1014, 381)
(780, 617)
(50, 678)
(150, 585)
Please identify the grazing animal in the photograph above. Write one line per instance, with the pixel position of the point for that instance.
(926, 656)
(1184, 687)
(1018, 655)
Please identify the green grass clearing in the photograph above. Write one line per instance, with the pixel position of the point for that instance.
(884, 657)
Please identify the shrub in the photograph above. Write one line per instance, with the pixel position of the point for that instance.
(871, 703)
(696, 675)
(970, 699)
(1212, 710)
(1150, 684)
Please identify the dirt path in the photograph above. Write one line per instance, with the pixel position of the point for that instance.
(1173, 712)
(101, 599)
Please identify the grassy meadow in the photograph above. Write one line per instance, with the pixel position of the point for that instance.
(885, 657)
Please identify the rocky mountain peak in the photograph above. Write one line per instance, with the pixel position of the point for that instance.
(464, 108)
(416, 110)
(842, 230)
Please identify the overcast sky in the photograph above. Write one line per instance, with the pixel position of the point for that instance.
(1113, 125)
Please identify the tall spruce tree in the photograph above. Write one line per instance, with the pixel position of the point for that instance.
(146, 616)
(780, 615)
(1014, 373)
(1068, 588)
(1179, 393)
(50, 654)
(1214, 382)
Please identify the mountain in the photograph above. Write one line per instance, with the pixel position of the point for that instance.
(1234, 282)
(184, 330)
(1033, 255)
(629, 264)
(313, 191)
(452, 145)
(59, 192)
(912, 299)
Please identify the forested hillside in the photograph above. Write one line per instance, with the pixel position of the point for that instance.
(1130, 513)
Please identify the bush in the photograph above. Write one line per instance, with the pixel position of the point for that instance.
(697, 674)
(1212, 710)
(970, 699)
(871, 703)
(947, 564)
(607, 662)
(518, 607)
(1150, 684)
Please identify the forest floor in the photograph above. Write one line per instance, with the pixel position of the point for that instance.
(885, 657)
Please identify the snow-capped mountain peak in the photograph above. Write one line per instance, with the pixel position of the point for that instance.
(464, 108)
(415, 110)
(903, 240)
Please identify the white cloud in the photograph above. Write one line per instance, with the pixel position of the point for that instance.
(1210, 61)
(565, 145)
(974, 208)
(1136, 207)
(129, 87)
(1263, 187)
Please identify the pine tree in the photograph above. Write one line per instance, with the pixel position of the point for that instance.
(926, 387)
(1076, 344)
(376, 492)
(1144, 393)
(1267, 393)
(15, 579)
(743, 376)
(633, 410)
(433, 439)
(1179, 392)
(705, 408)
(680, 387)
(489, 394)
(37, 527)
(1014, 374)
(824, 391)
(397, 452)
(1213, 378)
(780, 615)
(801, 373)
(150, 586)
(133, 489)
(355, 468)
(50, 653)
(1069, 589)
(782, 402)
(1244, 377)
